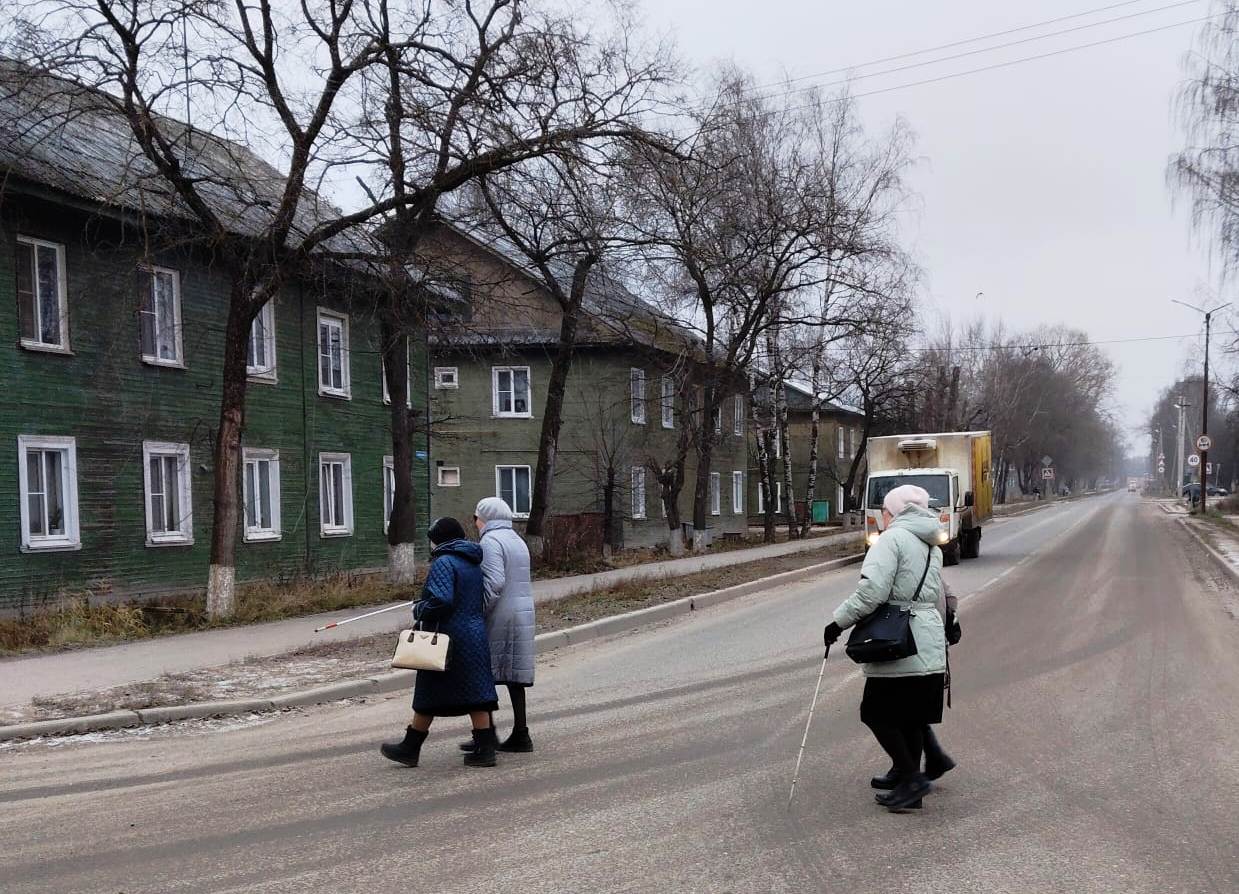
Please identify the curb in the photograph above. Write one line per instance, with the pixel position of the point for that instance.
(401, 679)
(1218, 557)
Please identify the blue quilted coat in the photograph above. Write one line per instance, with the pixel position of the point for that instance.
(452, 601)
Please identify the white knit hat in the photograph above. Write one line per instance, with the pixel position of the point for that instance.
(495, 509)
(900, 498)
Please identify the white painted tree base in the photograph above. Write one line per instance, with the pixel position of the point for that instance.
(675, 542)
(401, 563)
(221, 591)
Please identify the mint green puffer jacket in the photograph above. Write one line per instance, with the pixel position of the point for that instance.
(891, 571)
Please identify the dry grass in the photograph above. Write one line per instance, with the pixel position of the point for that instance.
(79, 620)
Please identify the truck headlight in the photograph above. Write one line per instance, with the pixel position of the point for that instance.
(943, 536)
(872, 537)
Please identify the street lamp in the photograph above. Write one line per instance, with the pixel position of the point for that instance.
(1204, 402)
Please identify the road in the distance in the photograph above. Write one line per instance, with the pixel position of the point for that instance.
(1096, 724)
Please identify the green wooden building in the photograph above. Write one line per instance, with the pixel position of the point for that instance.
(111, 371)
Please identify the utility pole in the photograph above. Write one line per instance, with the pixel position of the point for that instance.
(1204, 402)
(1181, 433)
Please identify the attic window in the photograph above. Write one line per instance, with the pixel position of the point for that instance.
(446, 377)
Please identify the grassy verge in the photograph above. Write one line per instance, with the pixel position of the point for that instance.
(349, 659)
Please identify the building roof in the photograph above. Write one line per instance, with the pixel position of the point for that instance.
(800, 397)
(68, 136)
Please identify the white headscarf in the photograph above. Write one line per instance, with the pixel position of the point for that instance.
(900, 498)
(493, 509)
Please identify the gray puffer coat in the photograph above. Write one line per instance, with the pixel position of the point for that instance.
(509, 603)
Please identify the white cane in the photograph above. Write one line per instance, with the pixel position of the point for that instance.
(390, 608)
(813, 704)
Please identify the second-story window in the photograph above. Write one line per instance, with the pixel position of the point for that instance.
(737, 423)
(511, 391)
(260, 353)
(839, 437)
(42, 297)
(668, 402)
(160, 316)
(636, 392)
(408, 377)
(333, 360)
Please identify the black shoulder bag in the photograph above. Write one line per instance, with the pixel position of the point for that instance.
(886, 635)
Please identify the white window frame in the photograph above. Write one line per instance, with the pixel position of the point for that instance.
(839, 437)
(257, 533)
(408, 376)
(177, 326)
(737, 424)
(636, 395)
(266, 373)
(346, 487)
(499, 470)
(62, 297)
(440, 382)
(737, 492)
(718, 418)
(183, 534)
(494, 392)
(716, 493)
(442, 469)
(778, 444)
(761, 499)
(839, 499)
(326, 389)
(71, 538)
(389, 490)
(638, 492)
(667, 402)
(778, 497)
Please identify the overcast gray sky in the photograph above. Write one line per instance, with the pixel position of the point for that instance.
(1042, 184)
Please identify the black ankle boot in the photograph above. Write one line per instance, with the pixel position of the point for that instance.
(886, 781)
(518, 742)
(904, 795)
(407, 751)
(484, 744)
(938, 764)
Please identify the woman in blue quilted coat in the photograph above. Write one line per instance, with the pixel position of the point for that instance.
(452, 602)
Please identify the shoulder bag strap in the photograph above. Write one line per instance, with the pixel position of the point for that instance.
(928, 559)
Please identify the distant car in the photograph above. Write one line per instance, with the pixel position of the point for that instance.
(1131, 488)
(1215, 491)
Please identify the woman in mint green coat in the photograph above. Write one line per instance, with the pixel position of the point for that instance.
(902, 697)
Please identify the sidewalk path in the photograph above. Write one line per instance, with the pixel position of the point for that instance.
(22, 679)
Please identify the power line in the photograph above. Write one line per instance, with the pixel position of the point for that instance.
(953, 57)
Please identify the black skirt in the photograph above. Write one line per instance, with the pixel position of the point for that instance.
(896, 701)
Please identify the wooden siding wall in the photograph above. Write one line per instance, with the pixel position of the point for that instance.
(110, 401)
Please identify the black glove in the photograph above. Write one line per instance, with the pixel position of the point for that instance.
(953, 632)
(832, 632)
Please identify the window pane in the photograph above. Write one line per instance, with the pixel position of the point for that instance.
(172, 492)
(522, 490)
(35, 490)
(49, 296)
(507, 488)
(146, 315)
(251, 492)
(25, 289)
(324, 494)
(389, 492)
(503, 387)
(54, 476)
(264, 495)
(336, 346)
(158, 518)
(337, 490)
(324, 355)
(165, 316)
(520, 389)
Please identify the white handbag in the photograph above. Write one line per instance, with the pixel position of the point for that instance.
(421, 650)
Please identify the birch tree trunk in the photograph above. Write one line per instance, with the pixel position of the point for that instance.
(815, 419)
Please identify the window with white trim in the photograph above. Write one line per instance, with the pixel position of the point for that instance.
(778, 445)
(737, 492)
(408, 377)
(47, 480)
(389, 490)
(778, 496)
(636, 395)
(169, 493)
(512, 486)
(667, 404)
(446, 377)
(335, 494)
(638, 492)
(449, 476)
(761, 499)
(737, 423)
(42, 295)
(510, 392)
(261, 489)
(718, 418)
(716, 493)
(260, 352)
(160, 316)
(333, 356)
(839, 438)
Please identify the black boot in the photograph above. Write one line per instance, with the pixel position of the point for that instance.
(886, 781)
(484, 744)
(408, 751)
(518, 741)
(937, 762)
(908, 792)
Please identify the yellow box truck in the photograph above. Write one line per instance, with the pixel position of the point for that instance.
(954, 467)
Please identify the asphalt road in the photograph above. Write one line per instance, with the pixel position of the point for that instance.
(1096, 725)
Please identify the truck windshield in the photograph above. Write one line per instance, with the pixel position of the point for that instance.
(939, 488)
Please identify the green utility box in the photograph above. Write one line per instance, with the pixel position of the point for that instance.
(821, 512)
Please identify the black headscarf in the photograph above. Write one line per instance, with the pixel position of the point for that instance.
(445, 530)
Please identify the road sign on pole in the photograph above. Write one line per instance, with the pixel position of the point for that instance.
(1047, 474)
(1203, 443)
(1193, 460)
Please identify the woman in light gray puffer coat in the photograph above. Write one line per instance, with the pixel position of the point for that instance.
(509, 611)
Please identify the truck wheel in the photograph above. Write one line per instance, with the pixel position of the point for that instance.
(970, 544)
(950, 553)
